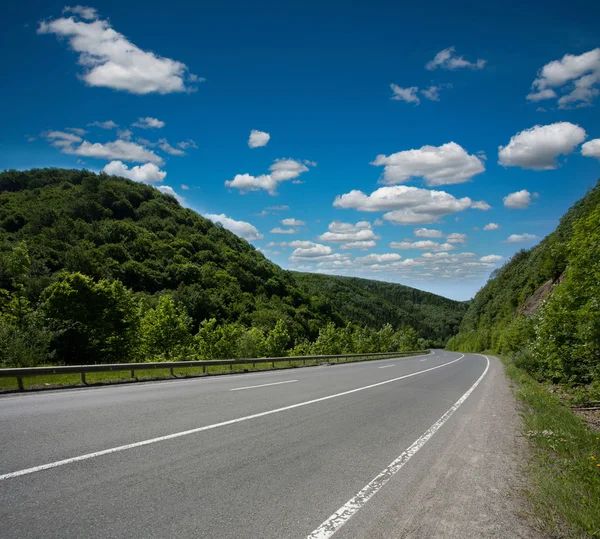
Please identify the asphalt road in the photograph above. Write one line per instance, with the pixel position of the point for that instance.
(267, 455)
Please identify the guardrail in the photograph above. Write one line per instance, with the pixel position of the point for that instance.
(27, 372)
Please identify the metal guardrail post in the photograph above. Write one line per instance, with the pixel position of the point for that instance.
(83, 380)
(20, 384)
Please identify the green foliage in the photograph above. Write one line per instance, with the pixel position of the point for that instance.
(165, 331)
(561, 341)
(95, 268)
(92, 322)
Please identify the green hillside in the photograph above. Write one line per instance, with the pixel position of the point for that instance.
(374, 303)
(98, 268)
(544, 304)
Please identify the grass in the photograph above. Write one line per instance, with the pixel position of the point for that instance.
(101, 378)
(564, 470)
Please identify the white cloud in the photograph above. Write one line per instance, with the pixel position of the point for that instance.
(428, 233)
(119, 149)
(60, 139)
(279, 230)
(281, 170)
(520, 238)
(591, 148)
(85, 12)
(110, 60)
(447, 59)
(405, 94)
(347, 232)
(185, 144)
(423, 245)
(125, 134)
(492, 259)
(149, 123)
(443, 165)
(478, 205)
(433, 92)
(108, 124)
(76, 130)
(292, 222)
(258, 139)
(148, 173)
(576, 76)
(538, 147)
(241, 228)
(277, 208)
(362, 245)
(185, 187)
(491, 226)
(378, 259)
(309, 249)
(165, 189)
(407, 205)
(519, 200)
(164, 145)
(455, 237)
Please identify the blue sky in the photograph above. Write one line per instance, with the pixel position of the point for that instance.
(432, 89)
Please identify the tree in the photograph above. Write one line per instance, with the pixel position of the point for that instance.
(92, 322)
(165, 330)
(277, 340)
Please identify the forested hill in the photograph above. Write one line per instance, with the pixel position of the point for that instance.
(72, 238)
(544, 304)
(374, 303)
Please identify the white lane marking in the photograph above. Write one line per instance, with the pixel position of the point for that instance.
(263, 385)
(386, 366)
(351, 507)
(423, 359)
(210, 427)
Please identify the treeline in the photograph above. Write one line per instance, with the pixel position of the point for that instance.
(555, 336)
(80, 321)
(90, 263)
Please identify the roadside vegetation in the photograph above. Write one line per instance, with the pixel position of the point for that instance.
(100, 269)
(541, 311)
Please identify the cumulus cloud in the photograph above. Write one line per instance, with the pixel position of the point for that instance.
(346, 233)
(185, 144)
(455, 237)
(538, 147)
(76, 130)
(407, 205)
(185, 187)
(119, 149)
(447, 59)
(280, 171)
(309, 249)
(433, 92)
(165, 189)
(148, 173)
(108, 124)
(491, 226)
(577, 77)
(292, 222)
(428, 233)
(164, 145)
(518, 201)
(279, 230)
(520, 238)
(443, 165)
(241, 228)
(409, 95)
(591, 148)
(61, 139)
(423, 245)
(149, 123)
(378, 259)
(258, 138)
(492, 259)
(362, 245)
(110, 60)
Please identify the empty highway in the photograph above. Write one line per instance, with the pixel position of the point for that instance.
(408, 447)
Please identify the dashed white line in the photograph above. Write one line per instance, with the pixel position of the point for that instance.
(351, 507)
(386, 366)
(263, 385)
(117, 449)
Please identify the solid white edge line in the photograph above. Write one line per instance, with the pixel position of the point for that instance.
(351, 507)
(71, 460)
(263, 385)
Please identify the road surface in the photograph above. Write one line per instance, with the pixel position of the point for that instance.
(409, 447)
